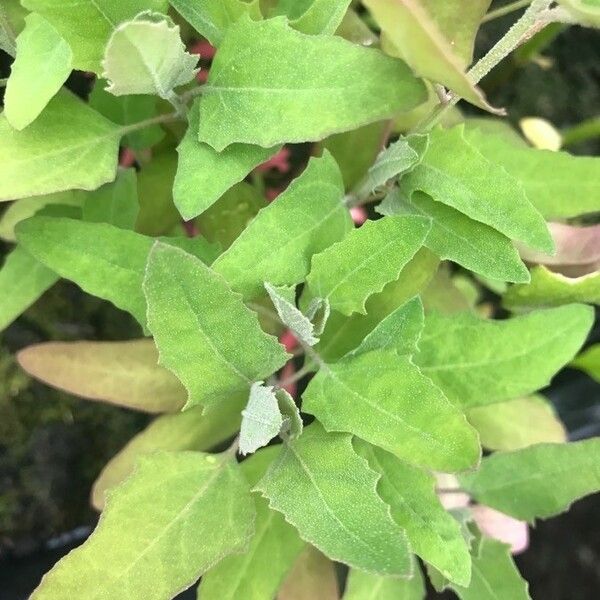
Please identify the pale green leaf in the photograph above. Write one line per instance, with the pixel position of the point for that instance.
(79, 145)
(100, 17)
(536, 482)
(451, 172)
(278, 244)
(443, 296)
(312, 578)
(321, 17)
(271, 554)
(433, 533)
(413, 30)
(400, 331)
(187, 430)
(282, 72)
(587, 12)
(23, 280)
(146, 56)
(354, 29)
(261, 419)
(122, 373)
(292, 423)
(177, 515)
(204, 175)
(384, 399)
(368, 258)
(478, 361)
(318, 311)
(291, 316)
(112, 267)
(558, 184)
(212, 18)
(589, 362)
(456, 237)
(194, 332)
(114, 203)
(42, 65)
(12, 21)
(517, 423)
(553, 289)
(328, 493)
(365, 586)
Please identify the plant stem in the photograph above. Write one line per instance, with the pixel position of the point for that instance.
(299, 374)
(450, 491)
(586, 130)
(157, 120)
(505, 10)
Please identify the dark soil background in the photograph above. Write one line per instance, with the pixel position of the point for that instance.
(52, 446)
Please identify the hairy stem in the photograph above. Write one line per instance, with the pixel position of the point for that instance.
(505, 10)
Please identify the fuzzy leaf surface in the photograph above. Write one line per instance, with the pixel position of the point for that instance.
(363, 586)
(322, 17)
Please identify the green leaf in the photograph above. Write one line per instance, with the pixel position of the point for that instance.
(79, 144)
(292, 423)
(450, 172)
(248, 92)
(558, 184)
(42, 65)
(536, 482)
(456, 237)
(257, 574)
(368, 258)
(321, 17)
(101, 17)
(146, 56)
(127, 110)
(443, 296)
(112, 267)
(12, 21)
(312, 578)
(587, 12)
(204, 175)
(384, 399)
(363, 586)
(188, 430)
(414, 30)
(478, 361)
(495, 575)
(328, 493)
(432, 532)
(212, 18)
(589, 362)
(261, 419)
(171, 501)
(278, 244)
(553, 289)
(114, 203)
(517, 423)
(399, 331)
(22, 281)
(194, 332)
(122, 373)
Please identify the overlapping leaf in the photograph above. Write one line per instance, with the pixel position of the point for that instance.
(361, 585)
(313, 577)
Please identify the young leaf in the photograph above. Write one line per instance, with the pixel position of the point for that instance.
(278, 244)
(557, 184)
(23, 280)
(292, 423)
(399, 331)
(290, 315)
(212, 18)
(12, 22)
(478, 361)
(495, 575)
(413, 30)
(456, 237)
(101, 17)
(361, 586)
(43, 63)
(248, 92)
(171, 501)
(517, 423)
(384, 399)
(312, 578)
(589, 362)
(122, 373)
(587, 12)
(188, 430)
(114, 203)
(193, 331)
(258, 573)
(261, 419)
(432, 532)
(69, 146)
(348, 272)
(450, 172)
(321, 17)
(536, 482)
(325, 490)
(553, 289)
(204, 175)
(146, 56)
